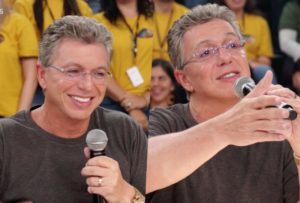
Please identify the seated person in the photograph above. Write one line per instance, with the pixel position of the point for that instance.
(165, 91)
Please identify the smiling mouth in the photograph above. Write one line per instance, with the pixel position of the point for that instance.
(82, 99)
(228, 75)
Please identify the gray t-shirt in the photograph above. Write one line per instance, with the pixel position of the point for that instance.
(43, 167)
(260, 173)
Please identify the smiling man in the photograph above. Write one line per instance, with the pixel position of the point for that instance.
(206, 48)
(41, 150)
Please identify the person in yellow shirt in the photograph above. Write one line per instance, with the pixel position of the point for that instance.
(131, 25)
(256, 33)
(42, 13)
(166, 12)
(18, 55)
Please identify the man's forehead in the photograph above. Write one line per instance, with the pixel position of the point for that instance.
(215, 30)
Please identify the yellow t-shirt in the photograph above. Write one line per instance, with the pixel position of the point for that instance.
(122, 55)
(162, 24)
(25, 7)
(257, 35)
(19, 41)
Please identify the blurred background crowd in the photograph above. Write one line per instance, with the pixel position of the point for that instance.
(142, 74)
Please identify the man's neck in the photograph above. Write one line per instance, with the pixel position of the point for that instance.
(163, 7)
(128, 8)
(59, 125)
(204, 109)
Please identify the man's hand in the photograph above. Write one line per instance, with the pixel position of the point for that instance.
(103, 177)
(252, 120)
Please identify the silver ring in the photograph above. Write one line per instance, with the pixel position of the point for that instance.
(100, 182)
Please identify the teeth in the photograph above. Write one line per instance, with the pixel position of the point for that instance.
(229, 75)
(80, 99)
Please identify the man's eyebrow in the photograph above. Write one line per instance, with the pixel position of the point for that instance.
(210, 42)
(82, 67)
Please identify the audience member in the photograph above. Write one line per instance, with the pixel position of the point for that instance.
(206, 48)
(165, 91)
(42, 13)
(18, 55)
(256, 34)
(289, 35)
(42, 156)
(132, 28)
(166, 13)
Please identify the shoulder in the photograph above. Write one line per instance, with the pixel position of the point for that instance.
(180, 8)
(291, 9)
(100, 18)
(84, 8)
(256, 20)
(115, 120)
(99, 15)
(171, 119)
(13, 125)
(18, 18)
(24, 3)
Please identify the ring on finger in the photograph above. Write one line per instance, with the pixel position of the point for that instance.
(100, 181)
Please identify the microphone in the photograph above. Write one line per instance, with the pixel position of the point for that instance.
(96, 141)
(244, 85)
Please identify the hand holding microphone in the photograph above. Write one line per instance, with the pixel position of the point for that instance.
(244, 85)
(96, 141)
(103, 174)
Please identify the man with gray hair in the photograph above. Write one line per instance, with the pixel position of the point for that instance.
(41, 150)
(206, 48)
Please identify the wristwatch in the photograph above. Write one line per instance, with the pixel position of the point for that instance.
(297, 159)
(138, 197)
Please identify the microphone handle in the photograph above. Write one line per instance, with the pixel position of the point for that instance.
(97, 198)
(292, 113)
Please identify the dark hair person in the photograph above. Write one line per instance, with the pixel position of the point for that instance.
(131, 25)
(165, 91)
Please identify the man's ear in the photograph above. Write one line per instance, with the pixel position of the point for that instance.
(183, 80)
(41, 75)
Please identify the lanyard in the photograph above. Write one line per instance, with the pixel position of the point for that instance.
(50, 11)
(163, 41)
(134, 35)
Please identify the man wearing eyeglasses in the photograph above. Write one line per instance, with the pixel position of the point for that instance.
(206, 48)
(41, 150)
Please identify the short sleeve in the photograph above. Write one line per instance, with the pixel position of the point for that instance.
(27, 41)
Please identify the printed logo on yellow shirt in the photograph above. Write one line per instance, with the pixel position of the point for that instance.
(248, 39)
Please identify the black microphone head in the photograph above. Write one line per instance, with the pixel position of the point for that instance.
(96, 140)
(243, 86)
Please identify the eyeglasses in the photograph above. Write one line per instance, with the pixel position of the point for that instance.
(74, 73)
(207, 53)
